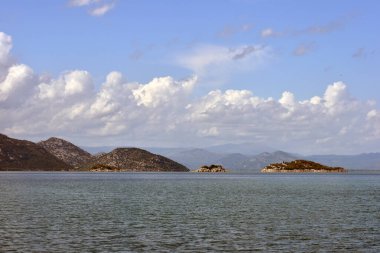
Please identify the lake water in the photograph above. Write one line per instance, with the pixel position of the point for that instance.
(189, 212)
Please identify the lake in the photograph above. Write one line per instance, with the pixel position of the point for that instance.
(189, 212)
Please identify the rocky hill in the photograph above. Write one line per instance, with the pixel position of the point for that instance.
(18, 155)
(133, 159)
(66, 151)
(300, 166)
(212, 168)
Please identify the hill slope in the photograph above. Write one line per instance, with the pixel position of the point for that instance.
(25, 155)
(133, 159)
(66, 151)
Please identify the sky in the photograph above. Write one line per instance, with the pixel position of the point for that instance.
(300, 76)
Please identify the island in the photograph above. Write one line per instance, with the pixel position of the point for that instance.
(132, 160)
(212, 168)
(301, 166)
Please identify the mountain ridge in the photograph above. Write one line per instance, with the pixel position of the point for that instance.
(66, 151)
(18, 155)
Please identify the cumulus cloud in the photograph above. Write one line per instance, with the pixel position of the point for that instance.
(320, 123)
(166, 111)
(96, 8)
(162, 91)
(17, 85)
(72, 83)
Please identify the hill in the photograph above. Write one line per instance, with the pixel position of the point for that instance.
(16, 155)
(300, 166)
(133, 159)
(66, 151)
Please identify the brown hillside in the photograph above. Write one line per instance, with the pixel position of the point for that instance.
(66, 151)
(133, 159)
(25, 155)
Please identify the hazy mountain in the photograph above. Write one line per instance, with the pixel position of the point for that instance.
(248, 148)
(232, 161)
(235, 161)
(66, 151)
(195, 158)
(369, 161)
(257, 162)
(135, 159)
(25, 155)
(166, 151)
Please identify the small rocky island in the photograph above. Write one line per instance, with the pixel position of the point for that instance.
(300, 166)
(211, 168)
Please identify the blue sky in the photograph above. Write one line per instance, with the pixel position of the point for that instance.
(262, 46)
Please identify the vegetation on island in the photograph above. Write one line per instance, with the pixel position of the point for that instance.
(300, 166)
(211, 168)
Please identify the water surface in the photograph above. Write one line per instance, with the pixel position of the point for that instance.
(189, 212)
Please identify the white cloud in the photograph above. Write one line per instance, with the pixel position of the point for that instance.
(5, 48)
(101, 10)
(269, 32)
(168, 111)
(288, 100)
(162, 91)
(96, 8)
(72, 83)
(80, 3)
(218, 62)
(372, 114)
(17, 86)
(316, 125)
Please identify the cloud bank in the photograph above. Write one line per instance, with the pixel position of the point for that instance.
(166, 111)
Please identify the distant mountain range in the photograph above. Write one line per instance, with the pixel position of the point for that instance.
(59, 154)
(194, 158)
